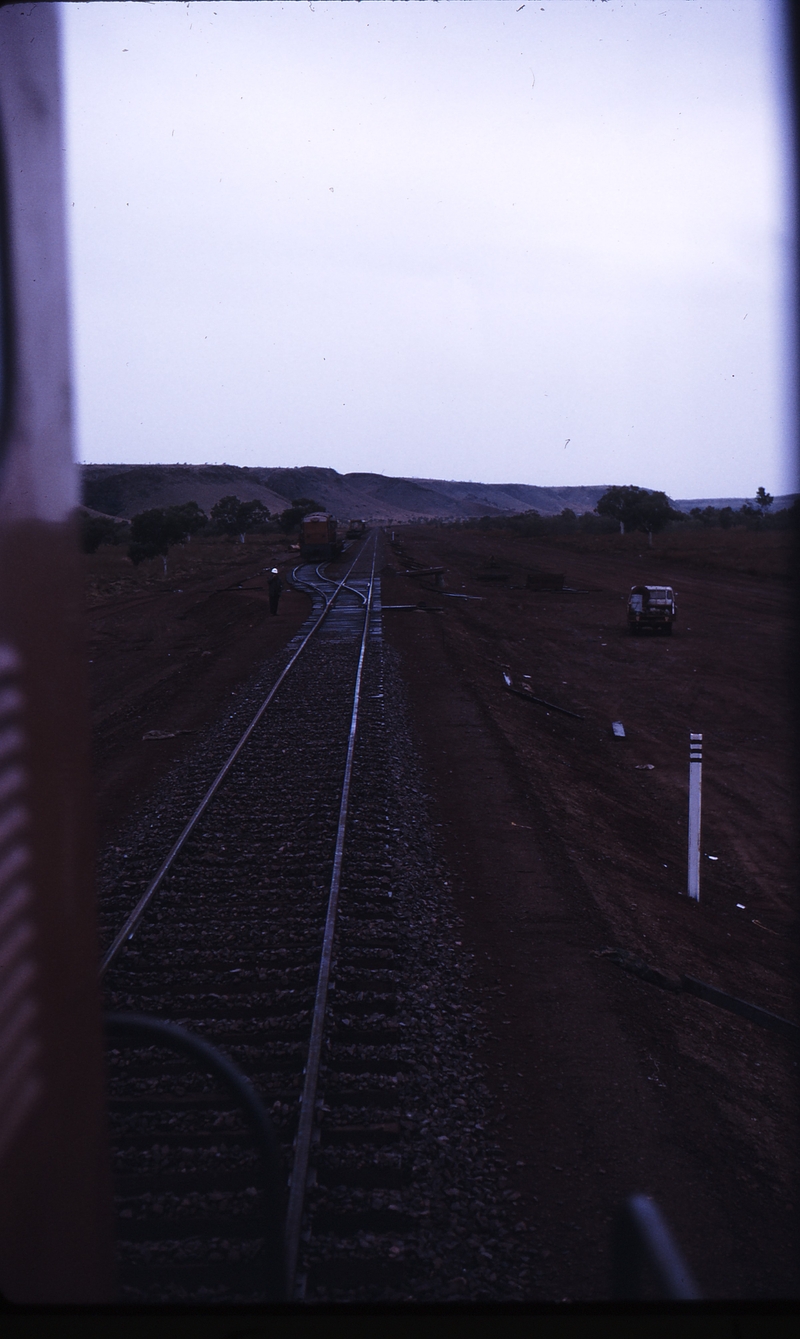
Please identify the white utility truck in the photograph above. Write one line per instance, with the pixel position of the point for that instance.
(651, 607)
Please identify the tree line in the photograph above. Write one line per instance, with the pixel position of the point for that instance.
(152, 533)
(629, 508)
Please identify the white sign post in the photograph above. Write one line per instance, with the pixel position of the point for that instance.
(695, 789)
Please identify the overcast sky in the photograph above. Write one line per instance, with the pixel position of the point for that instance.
(460, 240)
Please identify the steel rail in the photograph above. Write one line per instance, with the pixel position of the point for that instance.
(305, 1129)
(152, 888)
(320, 590)
(352, 589)
(307, 583)
(142, 1030)
(359, 593)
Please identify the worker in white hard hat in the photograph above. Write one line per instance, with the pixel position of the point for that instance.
(275, 586)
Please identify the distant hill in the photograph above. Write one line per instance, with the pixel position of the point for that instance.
(124, 490)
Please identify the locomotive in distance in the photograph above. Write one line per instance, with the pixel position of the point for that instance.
(318, 542)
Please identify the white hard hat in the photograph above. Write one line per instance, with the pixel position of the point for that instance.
(275, 571)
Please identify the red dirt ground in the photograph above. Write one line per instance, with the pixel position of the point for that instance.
(168, 651)
(561, 846)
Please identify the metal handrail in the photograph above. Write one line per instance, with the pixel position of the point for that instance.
(140, 1029)
(642, 1239)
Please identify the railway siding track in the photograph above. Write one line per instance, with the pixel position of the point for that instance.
(403, 1196)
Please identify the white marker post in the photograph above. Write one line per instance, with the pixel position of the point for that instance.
(695, 789)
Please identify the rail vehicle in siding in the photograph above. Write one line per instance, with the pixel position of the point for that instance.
(356, 529)
(318, 542)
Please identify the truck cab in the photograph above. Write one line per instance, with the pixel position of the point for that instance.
(651, 607)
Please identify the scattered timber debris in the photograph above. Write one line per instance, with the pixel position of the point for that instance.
(166, 734)
(766, 927)
(630, 963)
(525, 692)
(702, 990)
(753, 1012)
(544, 581)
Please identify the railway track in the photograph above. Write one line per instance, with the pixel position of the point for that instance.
(299, 923)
